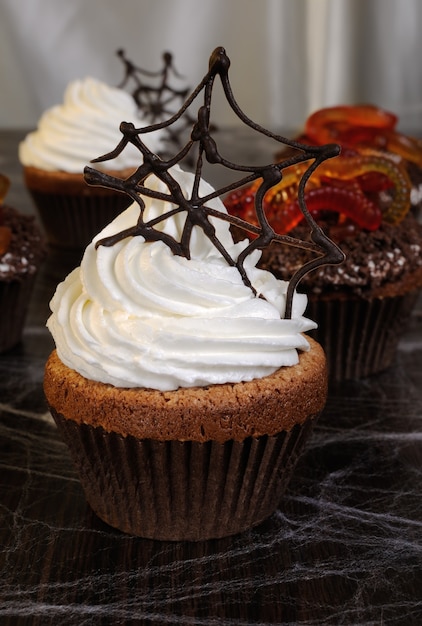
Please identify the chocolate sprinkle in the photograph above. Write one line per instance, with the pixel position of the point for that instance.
(195, 207)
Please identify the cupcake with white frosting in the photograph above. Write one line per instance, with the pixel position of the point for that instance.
(182, 379)
(67, 138)
(184, 397)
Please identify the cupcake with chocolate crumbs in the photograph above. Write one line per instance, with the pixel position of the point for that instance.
(22, 249)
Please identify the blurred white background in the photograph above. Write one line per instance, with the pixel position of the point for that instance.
(288, 57)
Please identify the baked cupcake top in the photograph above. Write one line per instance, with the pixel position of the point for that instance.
(86, 124)
(263, 406)
(164, 298)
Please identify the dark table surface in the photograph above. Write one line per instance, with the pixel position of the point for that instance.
(344, 547)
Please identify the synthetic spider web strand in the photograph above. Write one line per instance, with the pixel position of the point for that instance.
(197, 213)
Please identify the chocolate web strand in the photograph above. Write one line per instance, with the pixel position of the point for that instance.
(158, 100)
(196, 209)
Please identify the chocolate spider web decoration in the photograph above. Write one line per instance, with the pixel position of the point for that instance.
(195, 207)
(156, 102)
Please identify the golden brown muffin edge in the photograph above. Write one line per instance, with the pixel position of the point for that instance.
(219, 412)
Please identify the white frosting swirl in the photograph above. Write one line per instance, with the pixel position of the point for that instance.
(83, 128)
(136, 315)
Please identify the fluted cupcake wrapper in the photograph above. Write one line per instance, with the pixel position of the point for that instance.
(71, 220)
(14, 301)
(174, 490)
(359, 336)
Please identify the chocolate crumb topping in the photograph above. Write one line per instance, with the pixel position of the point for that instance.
(374, 260)
(26, 247)
(323, 249)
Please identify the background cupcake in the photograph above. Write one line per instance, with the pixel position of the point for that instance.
(70, 135)
(362, 199)
(21, 251)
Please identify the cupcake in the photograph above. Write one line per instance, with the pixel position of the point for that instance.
(182, 380)
(53, 157)
(362, 200)
(21, 252)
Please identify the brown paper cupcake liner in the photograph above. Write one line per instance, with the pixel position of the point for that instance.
(174, 490)
(360, 337)
(14, 302)
(71, 221)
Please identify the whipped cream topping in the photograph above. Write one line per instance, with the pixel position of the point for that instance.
(137, 315)
(84, 127)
